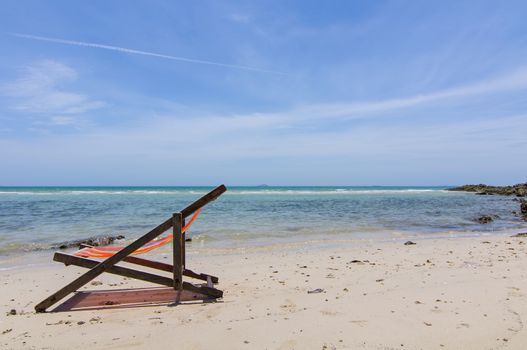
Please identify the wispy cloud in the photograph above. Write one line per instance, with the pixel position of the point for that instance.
(144, 53)
(240, 18)
(339, 111)
(63, 120)
(516, 80)
(38, 92)
(397, 151)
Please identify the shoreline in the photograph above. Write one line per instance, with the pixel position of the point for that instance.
(257, 245)
(388, 298)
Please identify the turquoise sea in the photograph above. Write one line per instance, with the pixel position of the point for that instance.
(35, 218)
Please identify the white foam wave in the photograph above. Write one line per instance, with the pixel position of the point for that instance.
(91, 192)
(338, 191)
(331, 192)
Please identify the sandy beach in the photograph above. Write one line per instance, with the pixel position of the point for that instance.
(239, 175)
(449, 293)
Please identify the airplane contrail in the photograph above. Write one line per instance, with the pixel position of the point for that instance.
(144, 53)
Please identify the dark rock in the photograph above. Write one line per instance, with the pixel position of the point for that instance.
(519, 190)
(523, 207)
(485, 219)
(521, 234)
(409, 243)
(188, 239)
(12, 312)
(93, 241)
(314, 291)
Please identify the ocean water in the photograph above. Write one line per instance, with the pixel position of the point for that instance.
(36, 218)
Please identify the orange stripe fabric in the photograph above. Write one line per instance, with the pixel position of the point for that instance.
(106, 252)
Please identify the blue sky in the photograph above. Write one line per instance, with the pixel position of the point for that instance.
(275, 92)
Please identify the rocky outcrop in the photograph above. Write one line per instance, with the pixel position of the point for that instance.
(485, 219)
(93, 241)
(519, 190)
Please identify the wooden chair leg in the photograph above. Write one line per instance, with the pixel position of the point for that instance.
(177, 251)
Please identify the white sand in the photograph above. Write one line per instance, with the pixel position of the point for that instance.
(458, 293)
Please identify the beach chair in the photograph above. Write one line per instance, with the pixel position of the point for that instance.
(147, 242)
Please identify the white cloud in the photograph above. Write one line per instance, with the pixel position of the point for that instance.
(233, 144)
(240, 18)
(516, 80)
(287, 121)
(192, 153)
(284, 134)
(39, 91)
(297, 117)
(63, 120)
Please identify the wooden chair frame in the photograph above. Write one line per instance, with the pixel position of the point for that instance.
(178, 269)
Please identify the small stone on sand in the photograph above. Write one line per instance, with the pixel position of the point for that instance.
(314, 291)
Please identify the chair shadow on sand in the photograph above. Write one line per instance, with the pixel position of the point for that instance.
(131, 298)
